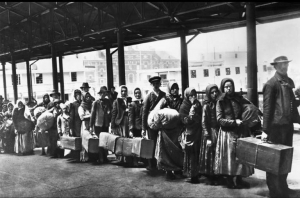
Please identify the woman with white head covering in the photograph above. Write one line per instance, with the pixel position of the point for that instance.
(23, 129)
(119, 117)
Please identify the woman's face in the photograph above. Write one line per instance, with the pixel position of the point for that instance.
(4, 109)
(123, 92)
(193, 96)
(137, 94)
(175, 91)
(78, 96)
(214, 92)
(20, 105)
(88, 98)
(46, 99)
(228, 88)
(10, 107)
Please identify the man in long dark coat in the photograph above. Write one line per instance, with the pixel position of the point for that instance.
(75, 121)
(279, 114)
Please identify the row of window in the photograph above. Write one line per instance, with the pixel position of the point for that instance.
(39, 78)
(218, 71)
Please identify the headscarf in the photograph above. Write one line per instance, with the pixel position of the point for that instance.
(141, 99)
(18, 101)
(86, 105)
(10, 103)
(120, 89)
(76, 91)
(186, 104)
(44, 98)
(207, 99)
(234, 95)
(172, 85)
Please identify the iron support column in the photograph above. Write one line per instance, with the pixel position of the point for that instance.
(4, 80)
(184, 63)
(29, 86)
(14, 77)
(121, 59)
(62, 82)
(252, 94)
(54, 68)
(109, 69)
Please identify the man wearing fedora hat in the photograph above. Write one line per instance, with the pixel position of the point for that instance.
(279, 114)
(85, 88)
(55, 95)
(150, 102)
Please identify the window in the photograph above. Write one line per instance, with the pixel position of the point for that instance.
(193, 74)
(220, 56)
(237, 70)
(18, 79)
(163, 76)
(39, 78)
(227, 71)
(265, 68)
(73, 76)
(205, 71)
(217, 72)
(58, 77)
(236, 55)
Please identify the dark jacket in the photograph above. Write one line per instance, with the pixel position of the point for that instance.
(75, 121)
(101, 113)
(118, 111)
(135, 115)
(150, 102)
(279, 104)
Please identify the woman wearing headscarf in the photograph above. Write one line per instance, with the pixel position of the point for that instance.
(75, 121)
(190, 114)
(4, 108)
(135, 117)
(7, 132)
(229, 111)
(23, 129)
(84, 112)
(10, 107)
(168, 150)
(210, 129)
(119, 118)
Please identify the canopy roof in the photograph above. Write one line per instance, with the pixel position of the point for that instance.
(28, 28)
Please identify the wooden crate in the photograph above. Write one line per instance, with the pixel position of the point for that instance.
(143, 148)
(72, 143)
(108, 141)
(273, 158)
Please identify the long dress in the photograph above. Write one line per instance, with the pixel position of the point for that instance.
(225, 160)
(84, 132)
(8, 131)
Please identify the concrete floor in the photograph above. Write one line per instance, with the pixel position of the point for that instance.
(41, 176)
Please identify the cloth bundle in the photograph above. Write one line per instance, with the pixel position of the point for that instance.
(250, 115)
(23, 126)
(38, 111)
(163, 119)
(45, 121)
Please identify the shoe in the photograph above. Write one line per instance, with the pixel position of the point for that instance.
(229, 183)
(195, 180)
(170, 175)
(240, 183)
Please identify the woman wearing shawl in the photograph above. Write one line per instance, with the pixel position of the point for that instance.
(168, 150)
(190, 114)
(119, 118)
(23, 129)
(84, 112)
(135, 118)
(4, 108)
(210, 129)
(228, 111)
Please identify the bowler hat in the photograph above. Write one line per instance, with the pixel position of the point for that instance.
(154, 79)
(280, 59)
(54, 92)
(85, 85)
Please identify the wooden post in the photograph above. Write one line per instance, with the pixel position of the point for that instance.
(62, 82)
(252, 94)
(184, 63)
(4, 80)
(14, 77)
(109, 69)
(121, 59)
(54, 68)
(29, 86)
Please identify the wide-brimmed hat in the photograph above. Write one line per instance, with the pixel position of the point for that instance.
(54, 92)
(154, 79)
(85, 85)
(280, 59)
(102, 88)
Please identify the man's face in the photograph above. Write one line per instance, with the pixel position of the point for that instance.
(88, 98)
(156, 84)
(1, 100)
(86, 89)
(137, 94)
(123, 92)
(228, 88)
(282, 68)
(112, 89)
(102, 93)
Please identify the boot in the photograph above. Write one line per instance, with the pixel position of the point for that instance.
(170, 175)
(240, 183)
(230, 183)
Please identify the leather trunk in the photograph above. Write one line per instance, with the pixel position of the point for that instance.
(143, 148)
(108, 141)
(72, 143)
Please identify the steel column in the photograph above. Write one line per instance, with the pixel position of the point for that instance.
(252, 94)
(29, 85)
(14, 77)
(109, 69)
(121, 59)
(184, 63)
(4, 81)
(62, 82)
(54, 68)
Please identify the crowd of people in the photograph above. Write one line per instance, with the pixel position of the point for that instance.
(203, 143)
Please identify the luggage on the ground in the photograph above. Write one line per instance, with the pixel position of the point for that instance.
(72, 143)
(273, 158)
(107, 141)
(142, 148)
(123, 146)
(90, 142)
(46, 120)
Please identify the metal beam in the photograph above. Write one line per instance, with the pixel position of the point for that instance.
(14, 77)
(121, 59)
(184, 62)
(4, 80)
(29, 85)
(61, 74)
(193, 37)
(109, 68)
(54, 68)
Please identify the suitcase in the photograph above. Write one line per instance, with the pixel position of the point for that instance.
(143, 148)
(108, 141)
(89, 142)
(272, 158)
(72, 143)
(124, 146)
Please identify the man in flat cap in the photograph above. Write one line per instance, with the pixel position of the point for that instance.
(279, 114)
(150, 102)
